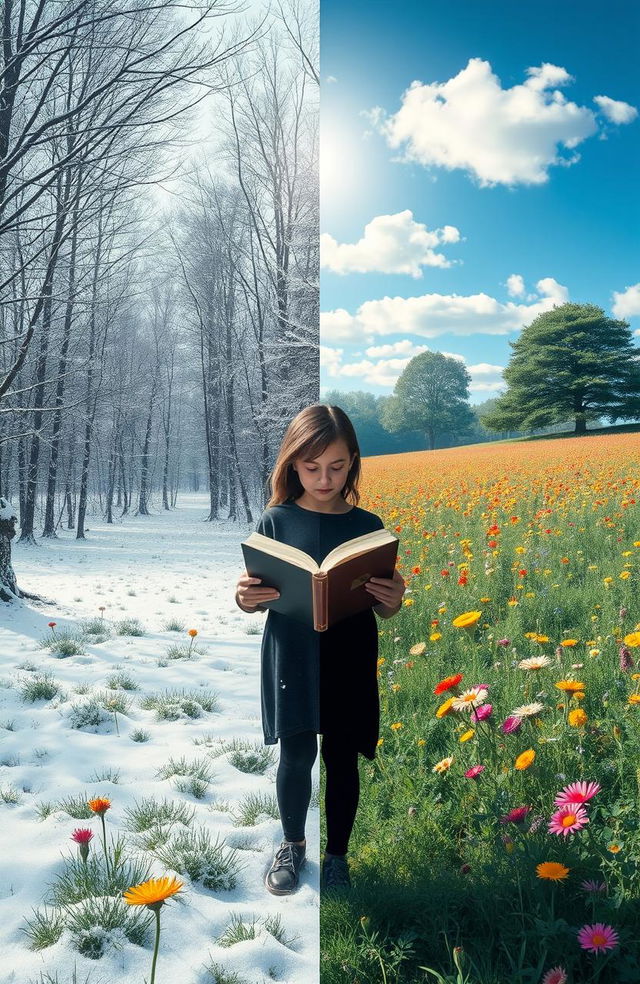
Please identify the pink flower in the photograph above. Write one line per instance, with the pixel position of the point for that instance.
(511, 725)
(82, 835)
(474, 771)
(481, 686)
(598, 937)
(517, 815)
(504, 642)
(483, 712)
(577, 792)
(589, 885)
(557, 975)
(568, 819)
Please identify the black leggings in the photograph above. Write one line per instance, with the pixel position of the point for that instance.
(293, 787)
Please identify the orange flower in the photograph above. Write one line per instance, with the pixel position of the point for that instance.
(445, 708)
(447, 684)
(525, 759)
(570, 686)
(99, 805)
(193, 633)
(153, 892)
(552, 871)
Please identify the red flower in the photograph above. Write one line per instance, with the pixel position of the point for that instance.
(52, 625)
(444, 573)
(447, 684)
(82, 835)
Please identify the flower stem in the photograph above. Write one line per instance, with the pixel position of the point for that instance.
(157, 943)
(104, 842)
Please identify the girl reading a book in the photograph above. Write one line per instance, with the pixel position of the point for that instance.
(318, 682)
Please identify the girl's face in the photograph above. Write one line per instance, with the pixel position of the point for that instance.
(324, 477)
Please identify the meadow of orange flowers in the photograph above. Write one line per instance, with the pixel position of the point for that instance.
(498, 837)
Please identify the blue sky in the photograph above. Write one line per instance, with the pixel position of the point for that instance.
(502, 182)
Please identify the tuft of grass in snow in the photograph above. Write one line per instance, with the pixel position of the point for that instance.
(96, 627)
(253, 629)
(129, 627)
(121, 681)
(76, 807)
(218, 975)
(106, 775)
(273, 925)
(82, 689)
(46, 978)
(250, 756)
(150, 812)
(8, 725)
(45, 809)
(173, 704)
(44, 928)
(173, 625)
(94, 920)
(10, 761)
(238, 931)
(66, 643)
(10, 795)
(111, 702)
(192, 786)
(194, 853)
(88, 714)
(41, 687)
(80, 881)
(28, 665)
(209, 740)
(254, 806)
(185, 652)
(140, 735)
(196, 769)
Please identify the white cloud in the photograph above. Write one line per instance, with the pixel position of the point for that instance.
(626, 303)
(405, 347)
(384, 371)
(615, 110)
(500, 136)
(485, 378)
(331, 79)
(431, 315)
(390, 244)
(515, 285)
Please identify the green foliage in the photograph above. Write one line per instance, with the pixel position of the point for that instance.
(139, 735)
(121, 681)
(174, 704)
(87, 714)
(196, 854)
(196, 768)
(65, 643)
(45, 928)
(570, 363)
(253, 807)
(431, 395)
(149, 812)
(41, 687)
(129, 627)
(251, 757)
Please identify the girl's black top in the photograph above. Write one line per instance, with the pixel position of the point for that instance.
(320, 681)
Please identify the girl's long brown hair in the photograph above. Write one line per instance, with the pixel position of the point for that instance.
(308, 435)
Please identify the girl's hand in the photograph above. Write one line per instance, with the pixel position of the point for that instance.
(388, 591)
(250, 592)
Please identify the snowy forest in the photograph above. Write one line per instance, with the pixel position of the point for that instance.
(158, 255)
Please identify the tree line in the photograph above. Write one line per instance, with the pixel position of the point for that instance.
(158, 254)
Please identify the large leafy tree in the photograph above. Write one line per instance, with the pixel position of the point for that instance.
(570, 363)
(431, 395)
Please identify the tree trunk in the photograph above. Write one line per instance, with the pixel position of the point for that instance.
(8, 520)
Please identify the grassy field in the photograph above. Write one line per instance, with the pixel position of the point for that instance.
(465, 868)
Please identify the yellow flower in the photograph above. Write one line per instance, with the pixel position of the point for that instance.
(445, 708)
(577, 718)
(435, 636)
(552, 871)
(633, 639)
(525, 759)
(569, 642)
(396, 726)
(485, 600)
(408, 602)
(443, 764)
(634, 699)
(624, 575)
(570, 686)
(607, 580)
(379, 742)
(395, 687)
(421, 742)
(467, 735)
(614, 848)
(466, 620)
(153, 892)
(579, 695)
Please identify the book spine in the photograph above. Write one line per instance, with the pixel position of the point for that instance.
(320, 584)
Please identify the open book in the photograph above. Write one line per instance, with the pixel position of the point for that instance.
(321, 595)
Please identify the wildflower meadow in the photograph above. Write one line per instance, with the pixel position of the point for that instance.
(498, 836)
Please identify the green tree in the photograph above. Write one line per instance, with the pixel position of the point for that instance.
(431, 395)
(570, 363)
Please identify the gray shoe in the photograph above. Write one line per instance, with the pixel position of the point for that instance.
(283, 875)
(335, 873)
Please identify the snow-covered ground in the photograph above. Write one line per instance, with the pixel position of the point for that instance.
(169, 566)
